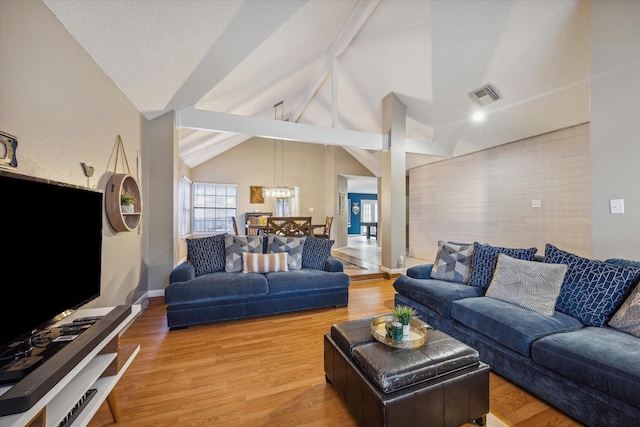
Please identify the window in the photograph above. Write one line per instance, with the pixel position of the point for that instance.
(213, 207)
(368, 212)
(185, 206)
(282, 207)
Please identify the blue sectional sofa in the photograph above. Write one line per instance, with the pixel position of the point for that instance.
(229, 277)
(582, 355)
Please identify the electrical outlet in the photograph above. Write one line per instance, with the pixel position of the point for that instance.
(536, 203)
(310, 209)
(616, 206)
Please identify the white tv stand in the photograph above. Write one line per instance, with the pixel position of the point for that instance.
(101, 368)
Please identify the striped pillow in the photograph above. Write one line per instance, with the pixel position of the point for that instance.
(263, 263)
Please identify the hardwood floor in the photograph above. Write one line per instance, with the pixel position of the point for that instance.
(266, 371)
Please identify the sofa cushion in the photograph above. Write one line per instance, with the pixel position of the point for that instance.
(508, 324)
(529, 284)
(621, 262)
(315, 252)
(292, 246)
(627, 318)
(485, 258)
(353, 333)
(218, 285)
(263, 263)
(603, 358)
(304, 280)
(452, 263)
(235, 246)
(592, 290)
(207, 254)
(436, 295)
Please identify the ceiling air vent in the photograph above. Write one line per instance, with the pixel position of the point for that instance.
(485, 95)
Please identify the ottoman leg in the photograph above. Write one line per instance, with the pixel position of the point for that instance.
(480, 421)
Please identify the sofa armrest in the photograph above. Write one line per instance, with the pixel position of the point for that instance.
(333, 265)
(182, 272)
(420, 271)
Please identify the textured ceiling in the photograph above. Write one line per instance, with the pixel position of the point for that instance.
(242, 57)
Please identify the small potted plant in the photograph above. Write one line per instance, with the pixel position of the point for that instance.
(126, 202)
(404, 314)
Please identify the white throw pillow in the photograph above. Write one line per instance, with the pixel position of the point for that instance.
(529, 284)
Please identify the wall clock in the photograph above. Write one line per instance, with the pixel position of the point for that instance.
(355, 208)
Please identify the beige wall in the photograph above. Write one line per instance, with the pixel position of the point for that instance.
(615, 128)
(163, 199)
(66, 111)
(487, 196)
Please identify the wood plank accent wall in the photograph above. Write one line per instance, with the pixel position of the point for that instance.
(487, 196)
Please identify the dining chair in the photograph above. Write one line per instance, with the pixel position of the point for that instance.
(296, 226)
(235, 225)
(326, 230)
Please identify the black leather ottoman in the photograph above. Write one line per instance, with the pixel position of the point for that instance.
(442, 383)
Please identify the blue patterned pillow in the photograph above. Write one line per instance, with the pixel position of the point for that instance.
(453, 262)
(293, 246)
(206, 253)
(315, 252)
(592, 290)
(485, 258)
(234, 247)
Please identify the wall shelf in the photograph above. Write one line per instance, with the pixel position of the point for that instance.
(123, 221)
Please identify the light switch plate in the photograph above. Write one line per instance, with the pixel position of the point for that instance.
(536, 203)
(616, 206)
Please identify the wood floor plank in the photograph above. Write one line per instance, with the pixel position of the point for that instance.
(266, 371)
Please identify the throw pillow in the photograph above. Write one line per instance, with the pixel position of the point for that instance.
(264, 263)
(234, 247)
(592, 290)
(207, 254)
(292, 246)
(627, 318)
(485, 258)
(530, 284)
(453, 262)
(315, 252)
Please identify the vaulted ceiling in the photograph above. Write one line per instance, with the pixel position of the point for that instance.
(223, 65)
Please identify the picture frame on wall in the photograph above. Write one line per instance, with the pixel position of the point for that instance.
(256, 194)
(342, 204)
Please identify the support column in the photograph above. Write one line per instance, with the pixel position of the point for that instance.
(392, 220)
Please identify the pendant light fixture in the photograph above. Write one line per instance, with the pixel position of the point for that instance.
(278, 191)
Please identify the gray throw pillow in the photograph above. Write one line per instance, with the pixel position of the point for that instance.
(627, 318)
(452, 263)
(207, 254)
(529, 284)
(235, 246)
(293, 246)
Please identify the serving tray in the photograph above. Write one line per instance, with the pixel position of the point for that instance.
(417, 332)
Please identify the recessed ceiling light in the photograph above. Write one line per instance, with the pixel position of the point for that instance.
(478, 116)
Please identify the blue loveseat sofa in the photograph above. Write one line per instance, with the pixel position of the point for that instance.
(583, 357)
(216, 283)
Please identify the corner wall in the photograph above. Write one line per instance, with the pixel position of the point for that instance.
(65, 111)
(615, 128)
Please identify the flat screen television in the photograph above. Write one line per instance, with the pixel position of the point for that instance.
(50, 253)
